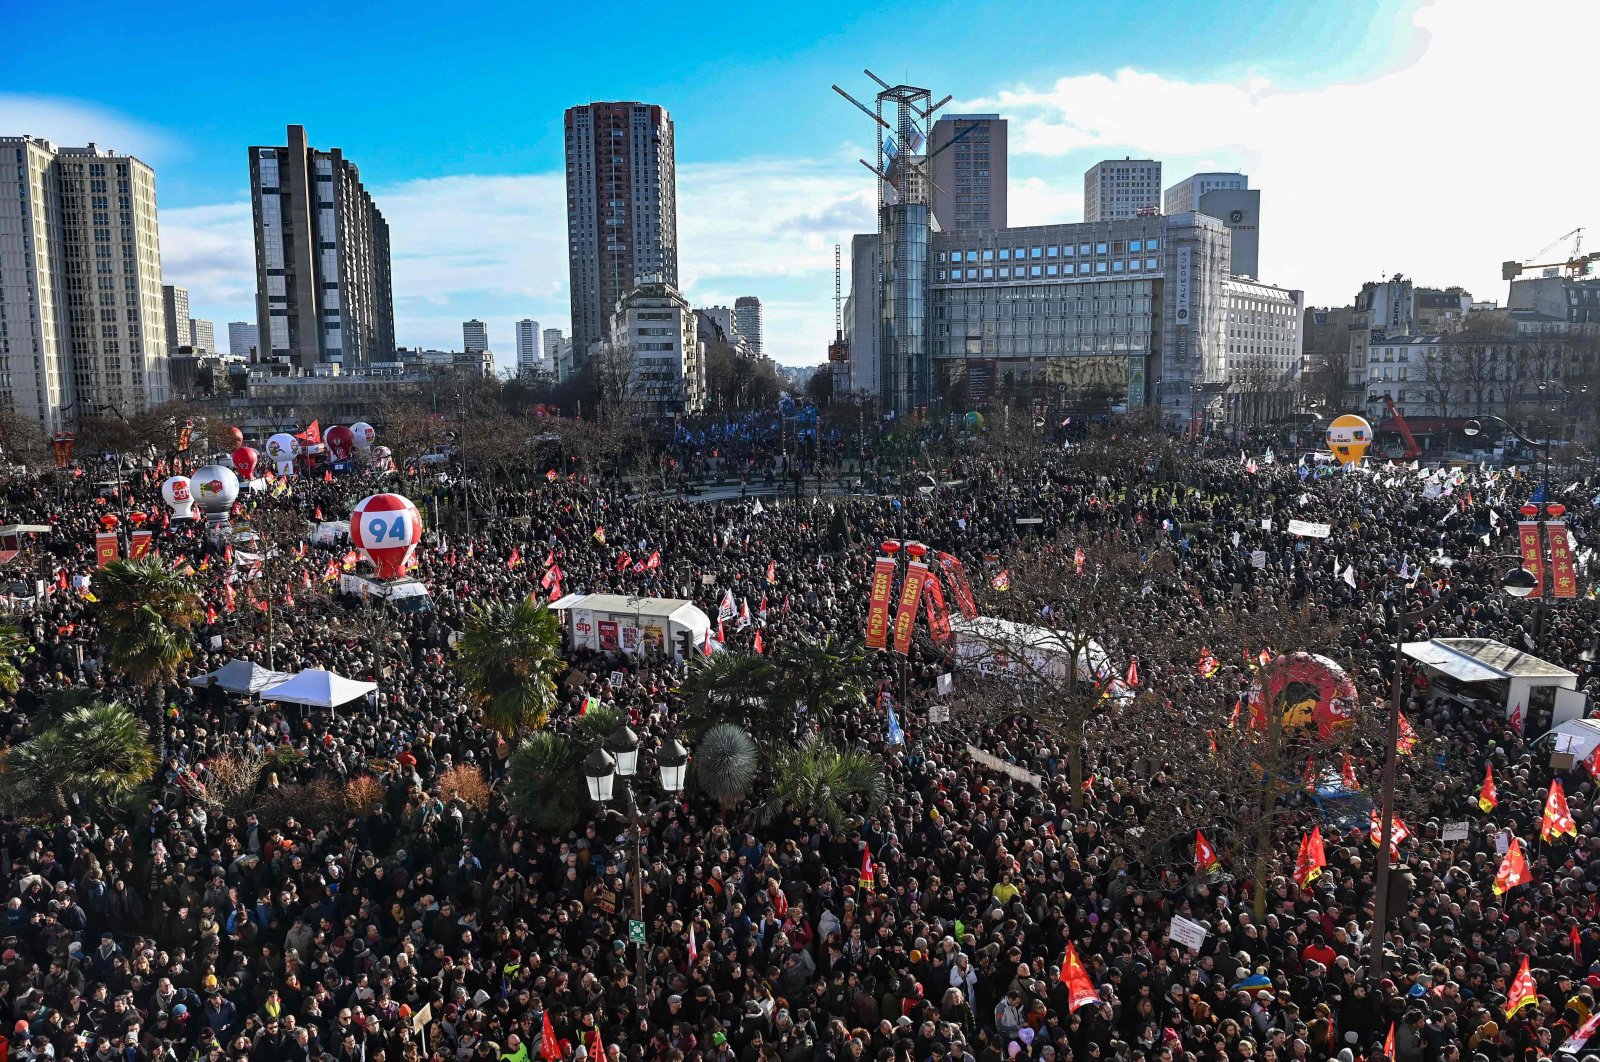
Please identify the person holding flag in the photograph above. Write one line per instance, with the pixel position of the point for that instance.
(1513, 869)
(1309, 863)
(1488, 798)
(1205, 857)
(1080, 990)
(1557, 820)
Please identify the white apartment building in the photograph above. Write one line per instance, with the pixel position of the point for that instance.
(747, 321)
(202, 335)
(1185, 195)
(474, 336)
(1116, 190)
(1262, 348)
(529, 354)
(81, 317)
(654, 331)
(175, 312)
(551, 340)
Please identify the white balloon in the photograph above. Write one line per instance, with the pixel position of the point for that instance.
(175, 492)
(215, 488)
(282, 447)
(364, 434)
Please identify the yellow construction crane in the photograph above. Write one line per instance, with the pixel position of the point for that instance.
(1577, 265)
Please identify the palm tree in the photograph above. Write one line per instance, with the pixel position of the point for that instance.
(12, 647)
(794, 687)
(542, 787)
(507, 658)
(728, 687)
(725, 764)
(819, 680)
(97, 752)
(147, 612)
(821, 780)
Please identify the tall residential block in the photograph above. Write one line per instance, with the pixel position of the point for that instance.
(1228, 198)
(969, 176)
(747, 319)
(1118, 189)
(82, 324)
(1185, 195)
(324, 291)
(529, 343)
(474, 336)
(202, 335)
(175, 311)
(622, 210)
(243, 338)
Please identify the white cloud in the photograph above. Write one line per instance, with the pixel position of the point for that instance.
(1470, 152)
(74, 123)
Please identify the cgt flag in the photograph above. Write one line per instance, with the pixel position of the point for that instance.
(1513, 869)
(938, 613)
(1557, 819)
(1523, 991)
(1309, 863)
(1488, 798)
(1205, 857)
(1080, 990)
(869, 870)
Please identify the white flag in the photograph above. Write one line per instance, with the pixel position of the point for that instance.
(1350, 576)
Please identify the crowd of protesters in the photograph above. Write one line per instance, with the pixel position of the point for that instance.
(439, 928)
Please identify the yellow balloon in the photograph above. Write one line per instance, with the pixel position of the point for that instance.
(1348, 438)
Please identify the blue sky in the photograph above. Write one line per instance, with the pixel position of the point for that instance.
(1372, 110)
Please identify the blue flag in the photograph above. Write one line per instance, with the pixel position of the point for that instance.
(896, 735)
(1538, 494)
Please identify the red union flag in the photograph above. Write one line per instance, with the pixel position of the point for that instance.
(1532, 553)
(1513, 869)
(905, 617)
(1523, 991)
(1557, 819)
(1205, 857)
(1563, 577)
(938, 613)
(960, 589)
(1080, 990)
(1312, 858)
(878, 603)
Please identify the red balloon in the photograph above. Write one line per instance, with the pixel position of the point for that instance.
(340, 440)
(387, 528)
(244, 461)
(236, 436)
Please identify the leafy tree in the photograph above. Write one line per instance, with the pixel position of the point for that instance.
(826, 782)
(147, 612)
(13, 647)
(725, 764)
(99, 753)
(507, 659)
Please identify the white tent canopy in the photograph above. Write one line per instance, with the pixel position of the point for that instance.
(239, 676)
(319, 688)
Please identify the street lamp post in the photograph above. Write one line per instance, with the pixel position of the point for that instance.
(619, 756)
(1380, 901)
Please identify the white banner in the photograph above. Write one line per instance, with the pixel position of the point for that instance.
(1189, 933)
(1309, 529)
(1011, 770)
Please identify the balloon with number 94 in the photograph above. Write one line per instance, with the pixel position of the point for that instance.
(387, 528)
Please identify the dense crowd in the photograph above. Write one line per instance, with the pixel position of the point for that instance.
(439, 928)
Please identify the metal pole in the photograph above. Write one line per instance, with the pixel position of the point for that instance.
(638, 887)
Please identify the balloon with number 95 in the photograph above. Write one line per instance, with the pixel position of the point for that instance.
(387, 528)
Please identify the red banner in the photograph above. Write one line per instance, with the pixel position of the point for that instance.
(139, 544)
(105, 547)
(938, 614)
(1532, 553)
(878, 603)
(61, 446)
(1563, 577)
(960, 589)
(905, 617)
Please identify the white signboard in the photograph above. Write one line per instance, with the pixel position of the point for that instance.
(946, 683)
(939, 713)
(1010, 770)
(1258, 559)
(1457, 831)
(1189, 933)
(1309, 529)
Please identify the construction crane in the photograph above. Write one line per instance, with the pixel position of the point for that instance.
(838, 350)
(1577, 265)
(1400, 425)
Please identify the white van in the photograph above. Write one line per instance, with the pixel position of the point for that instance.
(1577, 736)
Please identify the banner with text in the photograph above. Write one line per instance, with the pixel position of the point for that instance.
(1563, 576)
(105, 547)
(878, 604)
(905, 617)
(1309, 529)
(1532, 553)
(139, 544)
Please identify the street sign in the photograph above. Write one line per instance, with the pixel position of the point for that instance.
(636, 931)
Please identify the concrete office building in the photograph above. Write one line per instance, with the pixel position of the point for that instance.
(748, 322)
(324, 292)
(175, 310)
(202, 335)
(1094, 316)
(655, 339)
(530, 356)
(1263, 349)
(243, 338)
(725, 323)
(969, 178)
(82, 324)
(551, 341)
(1564, 298)
(622, 210)
(474, 336)
(1185, 195)
(1118, 189)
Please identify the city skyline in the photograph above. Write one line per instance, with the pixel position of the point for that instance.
(479, 230)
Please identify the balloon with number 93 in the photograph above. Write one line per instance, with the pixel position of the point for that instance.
(387, 528)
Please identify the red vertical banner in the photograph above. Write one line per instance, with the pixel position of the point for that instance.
(61, 447)
(1563, 577)
(1532, 553)
(960, 589)
(905, 617)
(139, 544)
(938, 614)
(878, 603)
(105, 547)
